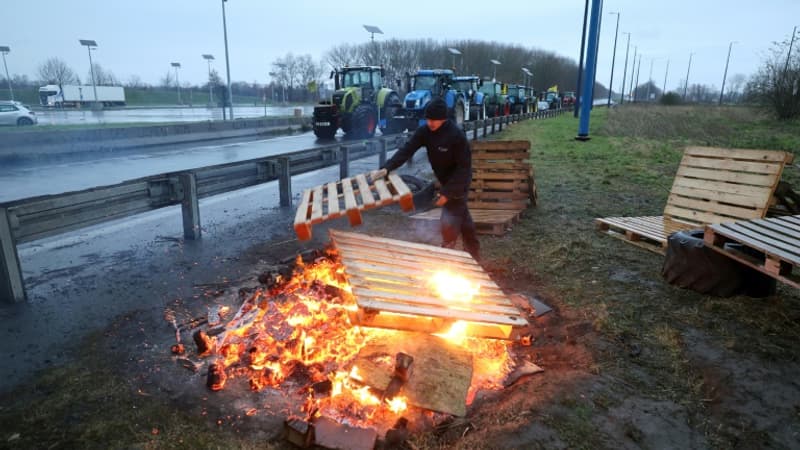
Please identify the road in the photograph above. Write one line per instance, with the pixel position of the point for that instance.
(156, 115)
(47, 177)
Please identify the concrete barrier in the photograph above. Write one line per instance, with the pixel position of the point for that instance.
(38, 144)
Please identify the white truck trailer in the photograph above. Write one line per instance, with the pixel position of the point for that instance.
(67, 95)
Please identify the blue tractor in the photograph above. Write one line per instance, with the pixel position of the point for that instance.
(422, 87)
(469, 86)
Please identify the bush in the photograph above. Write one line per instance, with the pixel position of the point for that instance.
(670, 98)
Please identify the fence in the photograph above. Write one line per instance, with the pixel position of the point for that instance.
(34, 218)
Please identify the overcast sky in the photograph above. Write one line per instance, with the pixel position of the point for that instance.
(142, 37)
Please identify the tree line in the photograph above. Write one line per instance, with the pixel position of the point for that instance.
(300, 78)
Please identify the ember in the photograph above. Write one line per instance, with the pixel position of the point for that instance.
(298, 337)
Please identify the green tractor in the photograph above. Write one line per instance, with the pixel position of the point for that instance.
(359, 105)
(496, 98)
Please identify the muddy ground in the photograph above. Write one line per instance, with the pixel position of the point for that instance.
(630, 361)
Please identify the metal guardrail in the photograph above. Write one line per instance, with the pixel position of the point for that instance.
(35, 218)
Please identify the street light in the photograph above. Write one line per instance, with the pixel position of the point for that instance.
(686, 81)
(494, 73)
(650, 80)
(208, 59)
(638, 71)
(372, 30)
(89, 45)
(454, 52)
(6, 50)
(613, 59)
(283, 67)
(725, 75)
(177, 65)
(528, 73)
(625, 69)
(227, 61)
(633, 71)
(666, 71)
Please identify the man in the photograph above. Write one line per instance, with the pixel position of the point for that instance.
(451, 160)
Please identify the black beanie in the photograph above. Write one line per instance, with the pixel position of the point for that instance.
(436, 110)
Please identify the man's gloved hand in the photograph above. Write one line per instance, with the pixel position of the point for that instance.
(378, 174)
(441, 200)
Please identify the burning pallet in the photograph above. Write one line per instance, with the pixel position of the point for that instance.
(349, 196)
(391, 281)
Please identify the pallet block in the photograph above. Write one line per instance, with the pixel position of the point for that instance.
(349, 197)
(390, 279)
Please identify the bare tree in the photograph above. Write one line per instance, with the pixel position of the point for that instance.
(135, 82)
(102, 77)
(776, 83)
(56, 71)
(167, 81)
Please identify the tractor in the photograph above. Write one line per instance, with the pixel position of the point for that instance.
(518, 99)
(422, 87)
(470, 85)
(496, 98)
(359, 105)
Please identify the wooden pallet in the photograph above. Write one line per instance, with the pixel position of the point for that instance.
(349, 196)
(389, 280)
(771, 246)
(502, 175)
(487, 221)
(712, 185)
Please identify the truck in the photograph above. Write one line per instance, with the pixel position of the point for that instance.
(469, 85)
(359, 104)
(68, 95)
(422, 87)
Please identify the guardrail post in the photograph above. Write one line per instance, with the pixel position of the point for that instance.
(344, 162)
(382, 154)
(190, 206)
(500, 123)
(285, 182)
(475, 131)
(485, 126)
(12, 286)
(494, 120)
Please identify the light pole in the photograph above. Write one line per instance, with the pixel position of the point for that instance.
(371, 29)
(725, 75)
(6, 50)
(283, 75)
(527, 72)
(613, 59)
(274, 76)
(580, 60)
(686, 81)
(649, 80)
(227, 61)
(625, 69)
(208, 59)
(666, 71)
(454, 52)
(633, 71)
(494, 73)
(638, 71)
(89, 44)
(788, 54)
(177, 66)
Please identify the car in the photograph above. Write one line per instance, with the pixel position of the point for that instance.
(15, 113)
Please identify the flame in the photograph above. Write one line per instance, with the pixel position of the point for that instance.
(300, 332)
(453, 288)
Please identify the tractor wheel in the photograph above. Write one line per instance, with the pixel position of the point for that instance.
(393, 106)
(325, 132)
(365, 120)
(459, 114)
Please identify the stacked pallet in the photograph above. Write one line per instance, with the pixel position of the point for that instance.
(502, 185)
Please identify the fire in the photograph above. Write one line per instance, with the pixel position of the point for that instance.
(299, 335)
(453, 288)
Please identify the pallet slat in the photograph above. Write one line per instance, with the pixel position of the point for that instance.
(323, 202)
(389, 279)
(712, 185)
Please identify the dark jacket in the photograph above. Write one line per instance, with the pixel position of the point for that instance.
(448, 152)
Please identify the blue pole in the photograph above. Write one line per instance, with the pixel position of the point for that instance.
(589, 70)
